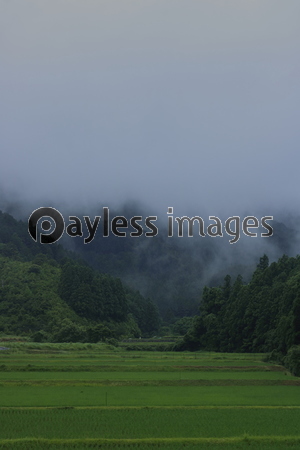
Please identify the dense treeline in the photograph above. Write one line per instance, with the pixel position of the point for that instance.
(16, 243)
(52, 295)
(171, 272)
(261, 316)
(160, 271)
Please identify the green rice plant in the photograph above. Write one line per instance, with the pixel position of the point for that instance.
(148, 423)
(143, 375)
(259, 443)
(149, 395)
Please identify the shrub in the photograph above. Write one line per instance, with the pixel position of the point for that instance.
(292, 360)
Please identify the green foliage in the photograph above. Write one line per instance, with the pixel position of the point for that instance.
(263, 315)
(40, 336)
(47, 293)
(92, 295)
(182, 326)
(98, 333)
(263, 263)
(292, 360)
(144, 312)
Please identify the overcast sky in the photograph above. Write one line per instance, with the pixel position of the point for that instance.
(185, 103)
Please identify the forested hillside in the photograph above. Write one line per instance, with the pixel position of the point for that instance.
(260, 316)
(50, 294)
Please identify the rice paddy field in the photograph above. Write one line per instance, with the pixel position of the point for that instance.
(84, 396)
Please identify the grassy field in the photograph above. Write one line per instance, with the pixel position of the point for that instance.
(95, 396)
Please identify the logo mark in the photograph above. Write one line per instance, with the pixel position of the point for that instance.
(41, 215)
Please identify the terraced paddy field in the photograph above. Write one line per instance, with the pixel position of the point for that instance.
(95, 396)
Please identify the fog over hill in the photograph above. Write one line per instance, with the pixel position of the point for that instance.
(142, 106)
